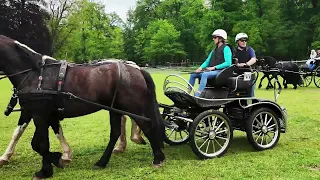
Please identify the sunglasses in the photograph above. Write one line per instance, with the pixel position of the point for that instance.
(243, 40)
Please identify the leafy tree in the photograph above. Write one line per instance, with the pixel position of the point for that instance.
(25, 21)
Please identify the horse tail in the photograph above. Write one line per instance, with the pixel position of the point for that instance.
(152, 109)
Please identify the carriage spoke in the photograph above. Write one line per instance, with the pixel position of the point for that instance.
(269, 121)
(221, 131)
(187, 132)
(261, 120)
(201, 137)
(256, 132)
(214, 123)
(266, 119)
(217, 143)
(269, 136)
(257, 120)
(171, 133)
(180, 135)
(214, 149)
(257, 127)
(208, 146)
(202, 132)
(262, 139)
(209, 122)
(175, 136)
(219, 126)
(271, 126)
(258, 136)
(222, 138)
(203, 143)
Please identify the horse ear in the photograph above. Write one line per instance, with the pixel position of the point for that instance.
(27, 52)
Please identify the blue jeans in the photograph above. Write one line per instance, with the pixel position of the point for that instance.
(204, 77)
(253, 86)
(312, 66)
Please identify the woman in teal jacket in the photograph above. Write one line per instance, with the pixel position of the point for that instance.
(218, 59)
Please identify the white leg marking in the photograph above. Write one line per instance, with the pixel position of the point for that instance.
(67, 152)
(14, 141)
(121, 147)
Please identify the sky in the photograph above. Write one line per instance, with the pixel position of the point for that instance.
(119, 6)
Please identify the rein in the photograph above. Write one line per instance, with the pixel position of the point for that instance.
(21, 72)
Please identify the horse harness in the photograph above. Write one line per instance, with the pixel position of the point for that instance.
(61, 77)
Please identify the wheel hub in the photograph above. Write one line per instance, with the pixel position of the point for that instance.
(264, 129)
(212, 134)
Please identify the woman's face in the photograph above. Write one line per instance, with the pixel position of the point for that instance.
(215, 39)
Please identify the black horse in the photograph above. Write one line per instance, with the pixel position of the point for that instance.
(51, 90)
(271, 69)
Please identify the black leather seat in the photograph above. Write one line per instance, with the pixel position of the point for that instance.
(229, 83)
(221, 80)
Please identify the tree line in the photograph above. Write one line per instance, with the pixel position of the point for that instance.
(161, 31)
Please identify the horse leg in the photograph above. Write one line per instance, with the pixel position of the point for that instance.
(260, 84)
(151, 135)
(276, 77)
(269, 86)
(22, 125)
(136, 134)
(40, 143)
(122, 140)
(115, 122)
(67, 152)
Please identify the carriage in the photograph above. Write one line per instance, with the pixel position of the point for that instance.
(207, 122)
(310, 75)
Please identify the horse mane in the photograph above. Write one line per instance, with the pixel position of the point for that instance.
(32, 54)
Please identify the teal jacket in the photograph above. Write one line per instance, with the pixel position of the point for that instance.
(227, 58)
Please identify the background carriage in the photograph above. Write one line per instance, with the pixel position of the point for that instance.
(310, 75)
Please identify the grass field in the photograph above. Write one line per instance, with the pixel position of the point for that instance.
(297, 155)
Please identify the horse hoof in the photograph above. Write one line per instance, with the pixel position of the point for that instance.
(139, 141)
(60, 164)
(43, 174)
(3, 162)
(157, 165)
(96, 167)
(118, 151)
(65, 161)
(36, 178)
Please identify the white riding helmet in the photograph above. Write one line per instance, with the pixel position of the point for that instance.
(221, 33)
(241, 35)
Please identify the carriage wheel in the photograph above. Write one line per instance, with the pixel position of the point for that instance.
(263, 129)
(307, 79)
(210, 134)
(316, 78)
(177, 131)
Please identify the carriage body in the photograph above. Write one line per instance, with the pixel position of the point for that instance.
(208, 121)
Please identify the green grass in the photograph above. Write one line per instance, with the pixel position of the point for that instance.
(296, 156)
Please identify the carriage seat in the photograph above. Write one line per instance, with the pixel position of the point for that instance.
(238, 82)
(221, 80)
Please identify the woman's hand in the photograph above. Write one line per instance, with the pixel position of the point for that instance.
(199, 69)
(241, 64)
(211, 68)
